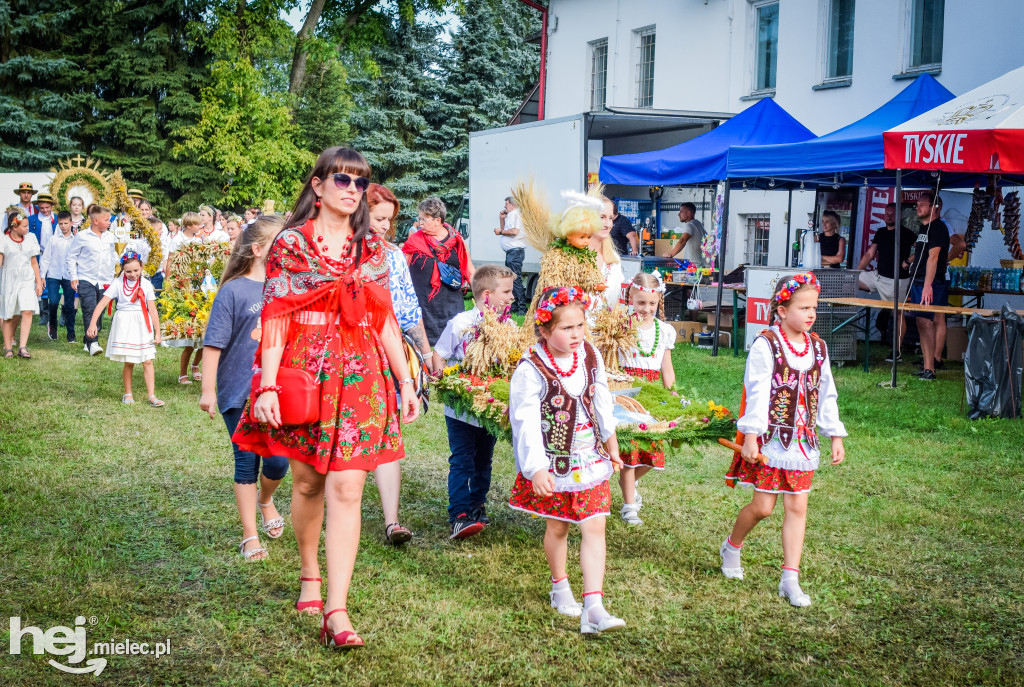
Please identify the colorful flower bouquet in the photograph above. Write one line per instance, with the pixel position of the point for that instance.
(676, 420)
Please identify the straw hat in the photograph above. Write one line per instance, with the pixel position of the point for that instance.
(44, 198)
(135, 193)
(24, 186)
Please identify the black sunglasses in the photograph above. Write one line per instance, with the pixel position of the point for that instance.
(342, 180)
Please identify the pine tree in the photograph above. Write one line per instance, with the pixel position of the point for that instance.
(324, 106)
(392, 92)
(37, 125)
(489, 73)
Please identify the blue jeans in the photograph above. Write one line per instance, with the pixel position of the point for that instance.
(247, 463)
(54, 289)
(469, 467)
(514, 261)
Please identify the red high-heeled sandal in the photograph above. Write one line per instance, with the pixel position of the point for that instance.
(302, 605)
(340, 640)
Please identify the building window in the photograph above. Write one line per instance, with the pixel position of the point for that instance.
(757, 239)
(926, 24)
(598, 74)
(840, 39)
(766, 23)
(645, 67)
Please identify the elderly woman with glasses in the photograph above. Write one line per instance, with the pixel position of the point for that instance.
(439, 265)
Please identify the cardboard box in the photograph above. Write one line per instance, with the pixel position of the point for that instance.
(725, 320)
(956, 343)
(662, 246)
(685, 330)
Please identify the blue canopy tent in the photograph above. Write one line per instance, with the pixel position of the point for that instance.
(704, 159)
(854, 152)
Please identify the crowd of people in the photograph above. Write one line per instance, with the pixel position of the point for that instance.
(304, 361)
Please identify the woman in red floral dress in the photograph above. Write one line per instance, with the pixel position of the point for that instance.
(327, 310)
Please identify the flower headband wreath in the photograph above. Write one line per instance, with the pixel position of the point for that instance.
(564, 296)
(790, 286)
(130, 255)
(659, 289)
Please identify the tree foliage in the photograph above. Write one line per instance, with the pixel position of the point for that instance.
(36, 122)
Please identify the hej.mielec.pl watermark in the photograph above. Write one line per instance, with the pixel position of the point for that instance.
(70, 643)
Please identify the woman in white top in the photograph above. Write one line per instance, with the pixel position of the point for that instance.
(21, 285)
(608, 261)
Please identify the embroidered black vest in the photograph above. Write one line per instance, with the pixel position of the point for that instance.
(785, 392)
(558, 409)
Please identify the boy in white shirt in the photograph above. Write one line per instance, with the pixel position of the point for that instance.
(90, 266)
(54, 269)
(472, 446)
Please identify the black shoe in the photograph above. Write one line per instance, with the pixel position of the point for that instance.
(939, 365)
(899, 358)
(480, 515)
(926, 375)
(464, 526)
(72, 340)
(52, 333)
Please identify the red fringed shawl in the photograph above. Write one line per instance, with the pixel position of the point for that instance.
(421, 247)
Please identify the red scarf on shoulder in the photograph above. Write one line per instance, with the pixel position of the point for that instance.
(421, 247)
(299, 278)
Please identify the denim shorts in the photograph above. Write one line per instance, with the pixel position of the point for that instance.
(940, 296)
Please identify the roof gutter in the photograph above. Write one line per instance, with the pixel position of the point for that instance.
(543, 53)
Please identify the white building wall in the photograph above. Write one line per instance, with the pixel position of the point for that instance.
(704, 57)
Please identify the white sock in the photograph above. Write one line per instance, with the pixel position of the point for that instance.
(731, 555)
(791, 581)
(593, 604)
(561, 593)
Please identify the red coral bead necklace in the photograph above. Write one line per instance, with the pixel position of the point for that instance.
(551, 358)
(807, 343)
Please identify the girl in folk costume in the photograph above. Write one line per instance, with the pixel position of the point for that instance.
(211, 230)
(651, 359)
(21, 284)
(788, 392)
(135, 329)
(563, 437)
(326, 396)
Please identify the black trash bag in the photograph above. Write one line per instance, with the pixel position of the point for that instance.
(993, 365)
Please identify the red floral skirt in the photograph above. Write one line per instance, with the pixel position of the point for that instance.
(649, 375)
(646, 453)
(766, 479)
(570, 506)
(358, 428)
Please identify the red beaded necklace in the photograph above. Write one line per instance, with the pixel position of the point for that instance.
(129, 292)
(21, 240)
(807, 343)
(551, 358)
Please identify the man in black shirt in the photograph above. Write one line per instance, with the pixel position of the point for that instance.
(883, 246)
(623, 235)
(928, 271)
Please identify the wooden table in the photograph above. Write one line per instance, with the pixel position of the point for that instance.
(867, 304)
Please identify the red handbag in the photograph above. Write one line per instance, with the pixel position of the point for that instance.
(299, 397)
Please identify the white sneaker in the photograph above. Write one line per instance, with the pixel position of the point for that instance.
(629, 514)
(731, 573)
(638, 500)
(606, 624)
(573, 610)
(95, 349)
(795, 595)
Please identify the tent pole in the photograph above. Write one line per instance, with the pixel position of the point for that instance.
(789, 226)
(896, 320)
(721, 268)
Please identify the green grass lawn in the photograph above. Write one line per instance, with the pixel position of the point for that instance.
(126, 514)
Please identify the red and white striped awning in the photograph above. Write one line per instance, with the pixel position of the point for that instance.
(980, 131)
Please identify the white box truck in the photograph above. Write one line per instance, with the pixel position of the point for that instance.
(559, 154)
